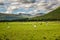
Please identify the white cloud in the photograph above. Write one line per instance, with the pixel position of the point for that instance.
(39, 5)
(1, 1)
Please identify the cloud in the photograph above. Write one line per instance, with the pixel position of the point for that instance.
(1, 1)
(44, 5)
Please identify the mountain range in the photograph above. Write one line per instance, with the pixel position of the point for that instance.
(51, 15)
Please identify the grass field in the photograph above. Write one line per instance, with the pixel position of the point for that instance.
(30, 30)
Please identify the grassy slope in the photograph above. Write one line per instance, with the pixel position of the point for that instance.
(26, 31)
(52, 15)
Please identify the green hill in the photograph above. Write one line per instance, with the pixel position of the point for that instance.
(54, 15)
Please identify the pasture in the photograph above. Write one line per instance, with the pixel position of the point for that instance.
(30, 30)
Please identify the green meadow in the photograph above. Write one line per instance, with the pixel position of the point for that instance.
(49, 30)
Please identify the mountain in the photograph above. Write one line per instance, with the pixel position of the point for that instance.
(20, 16)
(54, 15)
(10, 16)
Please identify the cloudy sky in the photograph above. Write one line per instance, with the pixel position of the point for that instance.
(28, 6)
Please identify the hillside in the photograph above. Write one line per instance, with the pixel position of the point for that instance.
(54, 15)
